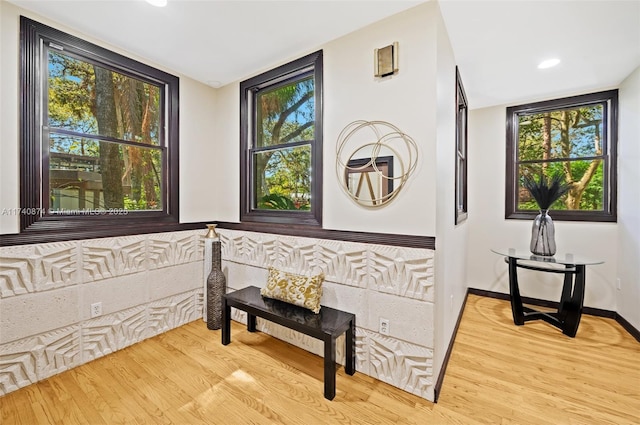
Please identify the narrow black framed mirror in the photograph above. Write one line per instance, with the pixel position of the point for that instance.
(370, 180)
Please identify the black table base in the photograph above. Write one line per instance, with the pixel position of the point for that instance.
(567, 318)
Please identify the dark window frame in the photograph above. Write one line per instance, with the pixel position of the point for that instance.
(33, 38)
(609, 100)
(248, 88)
(462, 153)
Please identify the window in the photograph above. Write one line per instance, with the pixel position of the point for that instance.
(461, 151)
(281, 144)
(575, 138)
(99, 136)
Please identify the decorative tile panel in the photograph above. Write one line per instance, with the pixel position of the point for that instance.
(38, 313)
(31, 359)
(199, 304)
(260, 249)
(296, 255)
(61, 351)
(372, 271)
(303, 341)
(32, 268)
(239, 316)
(109, 333)
(105, 258)
(199, 237)
(232, 245)
(298, 339)
(362, 351)
(402, 271)
(171, 312)
(168, 249)
(402, 364)
(343, 262)
(17, 369)
(311, 344)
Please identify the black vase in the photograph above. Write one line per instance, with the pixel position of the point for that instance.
(216, 287)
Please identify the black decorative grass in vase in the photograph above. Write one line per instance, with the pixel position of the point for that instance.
(546, 190)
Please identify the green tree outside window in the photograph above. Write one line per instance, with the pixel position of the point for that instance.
(281, 144)
(104, 138)
(574, 138)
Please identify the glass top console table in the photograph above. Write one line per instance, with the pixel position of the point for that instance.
(567, 318)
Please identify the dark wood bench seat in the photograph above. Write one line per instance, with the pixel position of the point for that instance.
(327, 326)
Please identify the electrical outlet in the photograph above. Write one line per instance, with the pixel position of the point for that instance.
(451, 302)
(384, 326)
(618, 284)
(96, 309)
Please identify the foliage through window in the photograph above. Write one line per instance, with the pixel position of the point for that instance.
(100, 131)
(573, 137)
(104, 138)
(282, 144)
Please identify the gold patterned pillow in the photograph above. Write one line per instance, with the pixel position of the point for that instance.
(304, 291)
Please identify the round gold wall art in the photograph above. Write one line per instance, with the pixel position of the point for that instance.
(374, 160)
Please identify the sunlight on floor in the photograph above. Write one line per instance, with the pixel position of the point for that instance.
(218, 392)
(241, 376)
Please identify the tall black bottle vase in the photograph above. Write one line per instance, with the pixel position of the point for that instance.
(216, 284)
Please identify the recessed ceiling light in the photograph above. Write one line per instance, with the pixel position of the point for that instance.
(549, 63)
(157, 3)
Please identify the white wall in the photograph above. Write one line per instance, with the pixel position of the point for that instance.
(9, 104)
(225, 164)
(451, 240)
(628, 298)
(351, 93)
(489, 229)
(406, 100)
(197, 141)
(198, 151)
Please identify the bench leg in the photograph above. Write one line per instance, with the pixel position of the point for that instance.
(226, 322)
(350, 349)
(251, 322)
(329, 367)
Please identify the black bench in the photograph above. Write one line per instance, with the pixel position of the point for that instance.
(327, 326)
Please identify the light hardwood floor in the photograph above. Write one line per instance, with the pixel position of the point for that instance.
(498, 374)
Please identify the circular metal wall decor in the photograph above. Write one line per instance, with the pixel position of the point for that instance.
(381, 159)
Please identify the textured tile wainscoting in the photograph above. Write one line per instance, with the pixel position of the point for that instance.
(147, 284)
(372, 281)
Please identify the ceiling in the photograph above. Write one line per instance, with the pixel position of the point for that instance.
(497, 44)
